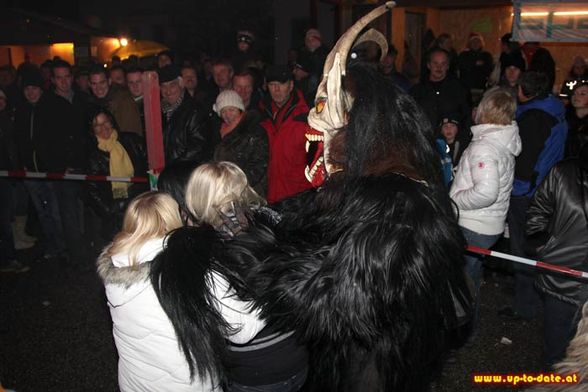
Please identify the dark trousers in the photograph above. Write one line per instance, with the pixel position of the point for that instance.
(69, 196)
(559, 325)
(527, 300)
(7, 252)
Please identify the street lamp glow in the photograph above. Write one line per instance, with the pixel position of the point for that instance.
(123, 42)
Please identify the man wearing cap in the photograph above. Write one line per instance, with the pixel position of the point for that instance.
(315, 52)
(285, 113)
(187, 131)
(117, 100)
(41, 143)
(245, 55)
(512, 65)
(304, 80)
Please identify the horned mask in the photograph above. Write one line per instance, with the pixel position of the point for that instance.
(332, 102)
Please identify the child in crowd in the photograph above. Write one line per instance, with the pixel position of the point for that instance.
(484, 177)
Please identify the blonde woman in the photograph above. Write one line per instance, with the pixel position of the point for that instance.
(218, 329)
(149, 357)
(485, 174)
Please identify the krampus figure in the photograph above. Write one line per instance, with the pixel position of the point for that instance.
(369, 269)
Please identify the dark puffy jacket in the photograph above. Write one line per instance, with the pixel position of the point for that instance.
(188, 134)
(247, 146)
(100, 193)
(557, 229)
(543, 130)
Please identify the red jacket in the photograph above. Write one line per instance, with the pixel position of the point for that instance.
(286, 128)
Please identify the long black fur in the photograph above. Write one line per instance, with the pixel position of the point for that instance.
(369, 272)
(181, 280)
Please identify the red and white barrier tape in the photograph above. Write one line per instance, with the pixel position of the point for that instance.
(533, 263)
(69, 176)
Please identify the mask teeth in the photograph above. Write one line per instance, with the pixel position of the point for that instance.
(314, 138)
(309, 173)
(307, 146)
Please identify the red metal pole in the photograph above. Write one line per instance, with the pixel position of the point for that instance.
(153, 125)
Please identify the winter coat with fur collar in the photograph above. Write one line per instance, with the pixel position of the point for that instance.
(149, 356)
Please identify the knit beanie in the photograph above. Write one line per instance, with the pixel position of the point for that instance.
(228, 98)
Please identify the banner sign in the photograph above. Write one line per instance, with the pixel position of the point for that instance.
(550, 21)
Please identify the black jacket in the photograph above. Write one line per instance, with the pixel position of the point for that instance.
(247, 147)
(441, 98)
(557, 229)
(475, 67)
(99, 194)
(50, 135)
(188, 135)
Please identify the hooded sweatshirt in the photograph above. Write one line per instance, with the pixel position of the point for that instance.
(483, 180)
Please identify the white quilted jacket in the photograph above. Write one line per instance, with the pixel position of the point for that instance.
(483, 180)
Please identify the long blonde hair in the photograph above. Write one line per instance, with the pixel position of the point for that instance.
(150, 215)
(215, 189)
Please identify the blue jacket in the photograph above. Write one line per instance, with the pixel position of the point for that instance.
(543, 130)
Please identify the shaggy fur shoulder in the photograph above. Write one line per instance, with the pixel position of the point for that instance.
(124, 276)
(369, 276)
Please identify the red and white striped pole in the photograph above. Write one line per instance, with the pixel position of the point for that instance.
(533, 263)
(68, 176)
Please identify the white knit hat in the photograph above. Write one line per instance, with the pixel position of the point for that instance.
(228, 98)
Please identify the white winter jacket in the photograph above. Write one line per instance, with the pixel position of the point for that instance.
(483, 180)
(149, 355)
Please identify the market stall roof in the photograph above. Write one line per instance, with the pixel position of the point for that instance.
(21, 27)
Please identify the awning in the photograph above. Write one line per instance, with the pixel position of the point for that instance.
(139, 49)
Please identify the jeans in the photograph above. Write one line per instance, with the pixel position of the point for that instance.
(7, 252)
(45, 201)
(473, 261)
(527, 300)
(559, 327)
(69, 195)
(293, 384)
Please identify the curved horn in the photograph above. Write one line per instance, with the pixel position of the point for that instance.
(374, 36)
(344, 43)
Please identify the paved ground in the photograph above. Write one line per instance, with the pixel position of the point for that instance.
(55, 334)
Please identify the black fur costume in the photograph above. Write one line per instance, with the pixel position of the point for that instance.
(368, 270)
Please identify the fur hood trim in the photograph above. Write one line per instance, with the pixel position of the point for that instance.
(127, 275)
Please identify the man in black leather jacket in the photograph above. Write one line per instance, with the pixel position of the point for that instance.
(557, 233)
(187, 128)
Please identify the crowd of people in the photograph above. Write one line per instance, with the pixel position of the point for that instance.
(492, 139)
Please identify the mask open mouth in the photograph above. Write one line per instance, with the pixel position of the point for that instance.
(315, 167)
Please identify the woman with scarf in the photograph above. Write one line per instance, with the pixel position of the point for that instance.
(118, 154)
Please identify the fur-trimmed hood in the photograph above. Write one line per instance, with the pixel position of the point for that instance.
(123, 280)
